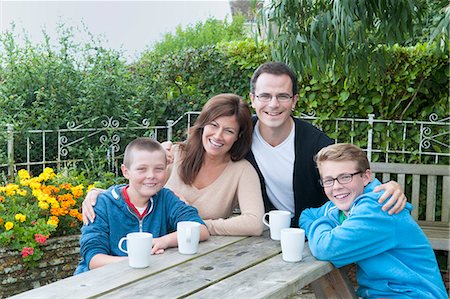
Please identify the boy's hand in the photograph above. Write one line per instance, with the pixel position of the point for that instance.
(397, 202)
(167, 145)
(159, 244)
(88, 205)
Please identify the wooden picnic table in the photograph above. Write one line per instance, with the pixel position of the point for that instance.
(224, 267)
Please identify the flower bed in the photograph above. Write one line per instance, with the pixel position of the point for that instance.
(40, 224)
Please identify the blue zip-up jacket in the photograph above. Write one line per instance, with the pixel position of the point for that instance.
(114, 220)
(393, 256)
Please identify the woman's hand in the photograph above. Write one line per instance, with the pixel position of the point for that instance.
(397, 200)
(88, 205)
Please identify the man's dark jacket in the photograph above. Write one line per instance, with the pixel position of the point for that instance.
(307, 191)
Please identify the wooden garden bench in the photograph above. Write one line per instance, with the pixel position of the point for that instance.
(436, 181)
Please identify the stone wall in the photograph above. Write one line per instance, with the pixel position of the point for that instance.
(59, 261)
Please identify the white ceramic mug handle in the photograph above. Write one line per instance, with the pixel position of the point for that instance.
(264, 219)
(120, 245)
(188, 234)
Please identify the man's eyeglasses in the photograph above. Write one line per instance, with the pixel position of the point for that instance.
(265, 97)
(344, 178)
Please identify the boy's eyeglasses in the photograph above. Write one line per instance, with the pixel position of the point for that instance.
(265, 97)
(344, 178)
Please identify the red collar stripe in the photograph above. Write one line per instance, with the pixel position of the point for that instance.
(131, 205)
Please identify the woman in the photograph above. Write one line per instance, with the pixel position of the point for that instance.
(210, 173)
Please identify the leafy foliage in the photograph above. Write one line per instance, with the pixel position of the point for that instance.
(318, 37)
(414, 85)
(201, 34)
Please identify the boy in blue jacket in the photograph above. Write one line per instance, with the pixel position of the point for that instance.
(141, 206)
(393, 256)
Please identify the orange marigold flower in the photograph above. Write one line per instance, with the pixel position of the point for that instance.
(66, 186)
(65, 197)
(73, 213)
(77, 191)
(66, 204)
(2, 198)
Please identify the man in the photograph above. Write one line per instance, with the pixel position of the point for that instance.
(283, 147)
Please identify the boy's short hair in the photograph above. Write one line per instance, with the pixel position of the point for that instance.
(343, 152)
(141, 143)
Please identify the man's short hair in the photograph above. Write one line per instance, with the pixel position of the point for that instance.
(343, 152)
(274, 68)
(141, 143)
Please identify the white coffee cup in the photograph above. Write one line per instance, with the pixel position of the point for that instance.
(188, 236)
(292, 243)
(277, 220)
(139, 249)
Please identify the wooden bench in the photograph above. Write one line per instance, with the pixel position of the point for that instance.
(436, 181)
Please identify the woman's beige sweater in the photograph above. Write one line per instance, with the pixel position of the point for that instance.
(237, 186)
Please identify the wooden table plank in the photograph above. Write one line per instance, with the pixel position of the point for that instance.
(113, 276)
(200, 273)
(273, 278)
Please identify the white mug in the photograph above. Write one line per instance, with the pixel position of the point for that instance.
(188, 236)
(292, 243)
(139, 249)
(277, 220)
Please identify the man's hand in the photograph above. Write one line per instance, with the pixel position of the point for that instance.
(397, 202)
(167, 145)
(88, 205)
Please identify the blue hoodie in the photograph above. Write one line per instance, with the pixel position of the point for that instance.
(393, 256)
(114, 220)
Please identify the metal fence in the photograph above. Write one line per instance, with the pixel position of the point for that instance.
(103, 140)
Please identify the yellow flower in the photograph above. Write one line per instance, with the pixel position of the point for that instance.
(53, 220)
(23, 174)
(11, 189)
(20, 217)
(34, 184)
(9, 225)
(43, 205)
(47, 174)
(92, 186)
(22, 192)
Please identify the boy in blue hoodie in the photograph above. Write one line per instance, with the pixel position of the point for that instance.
(141, 206)
(393, 256)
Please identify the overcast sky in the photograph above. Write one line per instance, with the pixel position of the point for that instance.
(130, 25)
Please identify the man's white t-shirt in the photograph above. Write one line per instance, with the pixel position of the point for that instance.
(277, 167)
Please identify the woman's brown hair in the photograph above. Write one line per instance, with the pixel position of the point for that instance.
(193, 153)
